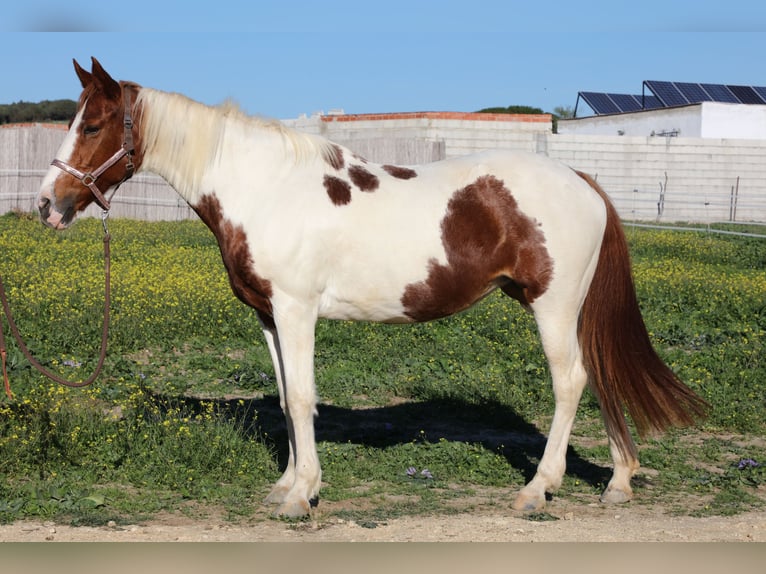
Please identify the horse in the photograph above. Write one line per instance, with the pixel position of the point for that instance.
(307, 229)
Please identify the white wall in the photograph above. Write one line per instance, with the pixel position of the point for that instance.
(685, 121)
(705, 120)
(733, 121)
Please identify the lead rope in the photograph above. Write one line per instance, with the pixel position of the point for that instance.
(28, 354)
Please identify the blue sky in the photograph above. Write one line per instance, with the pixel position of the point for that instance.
(286, 58)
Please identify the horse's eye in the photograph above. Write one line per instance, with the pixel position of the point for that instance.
(90, 130)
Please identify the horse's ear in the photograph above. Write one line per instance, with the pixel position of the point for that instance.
(85, 77)
(110, 87)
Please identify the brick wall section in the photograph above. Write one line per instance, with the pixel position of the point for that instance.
(461, 116)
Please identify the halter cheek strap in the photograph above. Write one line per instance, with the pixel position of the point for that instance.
(89, 179)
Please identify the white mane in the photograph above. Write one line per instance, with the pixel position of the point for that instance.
(182, 138)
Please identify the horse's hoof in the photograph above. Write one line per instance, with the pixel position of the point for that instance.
(277, 495)
(528, 503)
(614, 495)
(296, 509)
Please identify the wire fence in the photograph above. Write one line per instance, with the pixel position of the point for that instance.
(712, 205)
(708, 228)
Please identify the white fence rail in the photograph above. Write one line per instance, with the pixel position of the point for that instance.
(25, 153)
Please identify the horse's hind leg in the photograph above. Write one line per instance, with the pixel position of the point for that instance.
(625, 465)
(559, 337)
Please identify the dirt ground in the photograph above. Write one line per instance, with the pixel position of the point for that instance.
(574, 523)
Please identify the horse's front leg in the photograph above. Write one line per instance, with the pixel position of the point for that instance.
(285, 482)
(294, 349)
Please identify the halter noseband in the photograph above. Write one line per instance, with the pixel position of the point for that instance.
(127, 149)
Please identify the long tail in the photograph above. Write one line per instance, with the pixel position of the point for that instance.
(624, 369)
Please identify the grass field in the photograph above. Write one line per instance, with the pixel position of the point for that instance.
(412, 419)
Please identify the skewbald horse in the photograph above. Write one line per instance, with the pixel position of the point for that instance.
(308, 229)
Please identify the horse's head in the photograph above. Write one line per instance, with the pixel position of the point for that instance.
(98, 152)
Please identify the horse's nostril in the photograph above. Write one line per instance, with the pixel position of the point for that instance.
(44, 206)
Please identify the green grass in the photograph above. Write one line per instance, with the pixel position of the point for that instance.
(185, 417)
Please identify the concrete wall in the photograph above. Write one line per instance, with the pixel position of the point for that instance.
(674, 178)
(463, 133)
(649, 178)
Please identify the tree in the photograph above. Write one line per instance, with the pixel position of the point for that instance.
(45, 111)
(512, 110)
(558, 112)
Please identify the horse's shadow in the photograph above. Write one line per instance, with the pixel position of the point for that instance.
(496, 427)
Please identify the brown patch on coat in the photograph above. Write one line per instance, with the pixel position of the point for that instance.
(362, 178)
(400, 172)
(338, 190)
(247, 285)
(489, 243)
(334, 157)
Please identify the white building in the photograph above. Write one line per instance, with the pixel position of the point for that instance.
(703, 120)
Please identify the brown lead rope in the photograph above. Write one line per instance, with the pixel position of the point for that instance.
(25, 350)
(89, 180)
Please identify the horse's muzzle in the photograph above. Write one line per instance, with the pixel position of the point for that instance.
(48, 215)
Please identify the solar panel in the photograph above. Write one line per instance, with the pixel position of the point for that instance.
(694, 93)
(720, 93)
(600, 103)
(626, 102)
(650, 102)
(746, 94)
(761, 91)
(667, 93)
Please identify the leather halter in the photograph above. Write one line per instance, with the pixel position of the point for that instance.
(127, 149)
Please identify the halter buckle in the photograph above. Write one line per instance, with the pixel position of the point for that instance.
(104, 217)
